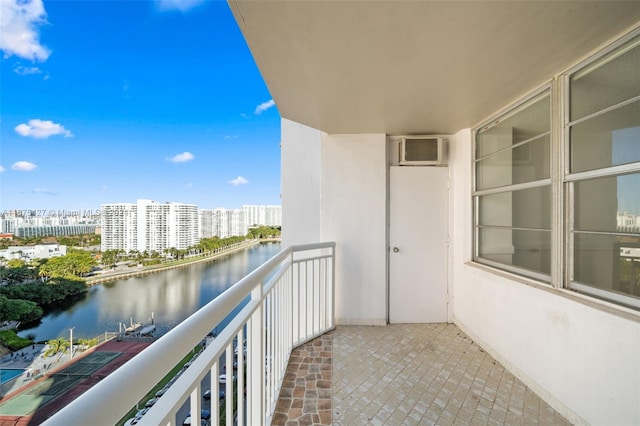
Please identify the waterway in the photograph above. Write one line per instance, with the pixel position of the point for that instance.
(169, 296)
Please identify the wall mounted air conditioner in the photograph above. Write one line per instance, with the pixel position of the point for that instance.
(422, 151)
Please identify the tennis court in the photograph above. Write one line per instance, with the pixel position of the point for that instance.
(34, 397)
(38, 401)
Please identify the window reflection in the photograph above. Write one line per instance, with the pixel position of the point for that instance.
(608, 140)
(609, 204)
(596, 265)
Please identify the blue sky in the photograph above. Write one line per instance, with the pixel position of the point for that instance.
(111, 101)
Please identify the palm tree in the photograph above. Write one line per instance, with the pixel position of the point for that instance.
(57, 345)
(44, 271)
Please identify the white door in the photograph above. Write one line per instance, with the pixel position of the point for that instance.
(418, 232)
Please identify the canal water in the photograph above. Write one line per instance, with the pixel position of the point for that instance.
(169, 296)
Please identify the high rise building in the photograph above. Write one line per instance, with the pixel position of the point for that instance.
(207, 224)
(183, 225)
(119, 223)
(149, 226)
(229, 223)
(254, 215)
(223, 223)
(273, 216)
(262, 215)
(42, 223)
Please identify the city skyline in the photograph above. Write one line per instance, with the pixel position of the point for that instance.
(158, 100)
(74, 212)
(207, 223)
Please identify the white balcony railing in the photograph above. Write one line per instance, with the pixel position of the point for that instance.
(285, 302)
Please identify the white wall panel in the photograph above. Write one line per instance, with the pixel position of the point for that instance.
(300, 183)
(581, 357)
(354, 200)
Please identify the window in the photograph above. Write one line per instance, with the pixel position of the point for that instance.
(573, 222)
(602, 176)
(512, 199)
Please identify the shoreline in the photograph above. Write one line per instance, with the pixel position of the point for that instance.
(147, 270)
(4, 350)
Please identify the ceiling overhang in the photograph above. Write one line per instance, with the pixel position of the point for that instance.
(409, 67)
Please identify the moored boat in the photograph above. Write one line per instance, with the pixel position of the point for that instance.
(133, 328)
(146, 330)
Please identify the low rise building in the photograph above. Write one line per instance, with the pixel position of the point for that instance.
(29, 253)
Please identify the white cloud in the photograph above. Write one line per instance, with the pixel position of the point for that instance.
(181, 5)
(238, 181)
(42, 129)
(1, 169)
(43, 191)
(189, 185)
(229, 137)
(23, 166)
(18, 33)
(182, 158)
(104, 187)
(22, 70)
(264, 106)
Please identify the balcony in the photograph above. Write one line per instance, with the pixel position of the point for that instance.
(297, 367)
(285, 302)
(409, 374)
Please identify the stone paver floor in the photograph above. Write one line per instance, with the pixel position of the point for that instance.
(305, 397)
(407, 374)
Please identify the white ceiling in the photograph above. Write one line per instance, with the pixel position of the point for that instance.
(410, 67)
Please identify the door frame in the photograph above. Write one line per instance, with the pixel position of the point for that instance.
(447, 248)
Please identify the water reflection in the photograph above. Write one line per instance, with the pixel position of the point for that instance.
(169, 296)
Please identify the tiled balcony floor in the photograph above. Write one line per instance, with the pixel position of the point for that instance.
(423, 374)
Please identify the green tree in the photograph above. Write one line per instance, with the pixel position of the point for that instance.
(29, 241)
(82, 262)
(44, 293)
(10, 339)
(264, 232)
(67, 241)
(19, 310)
(88, 342)
(75, 263)
(133, 254)
(174, 252)
(17, 274)
(15, 263)
(109, 258)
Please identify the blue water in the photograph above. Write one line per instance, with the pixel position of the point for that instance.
(169, 296)
(6, 374)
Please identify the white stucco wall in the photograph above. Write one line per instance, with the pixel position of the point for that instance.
(300, 163)
(354, 199)
(334, 189)
(584, 359)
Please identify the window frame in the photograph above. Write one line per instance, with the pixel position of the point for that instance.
(493, 121)
(569, 179)
(562, 181)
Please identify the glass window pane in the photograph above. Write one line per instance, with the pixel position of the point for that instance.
(608, 262)
(609, 204)
(525, 163)
(527, 208)
(609, 84)
(607, 140)
(524, 249)
(529, 121)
